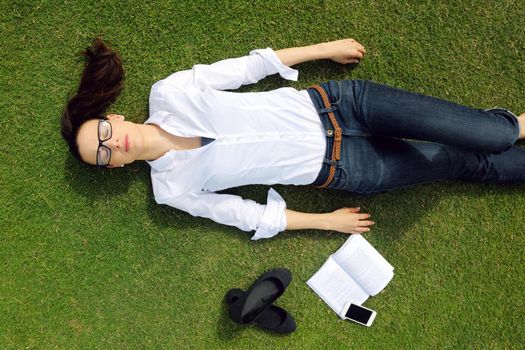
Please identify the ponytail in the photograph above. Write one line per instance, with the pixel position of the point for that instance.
(100, 84)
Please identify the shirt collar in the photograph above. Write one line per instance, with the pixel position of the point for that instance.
(167, 161)
(162, 163)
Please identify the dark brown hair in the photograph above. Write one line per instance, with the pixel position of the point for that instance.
(100, 84)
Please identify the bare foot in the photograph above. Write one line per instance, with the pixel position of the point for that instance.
(521, 122)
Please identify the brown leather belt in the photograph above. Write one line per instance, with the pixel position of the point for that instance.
(336, 149)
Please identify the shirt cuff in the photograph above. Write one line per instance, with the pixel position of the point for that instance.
(273, 219)
(276, 66)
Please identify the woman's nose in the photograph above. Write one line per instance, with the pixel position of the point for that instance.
(114, 143)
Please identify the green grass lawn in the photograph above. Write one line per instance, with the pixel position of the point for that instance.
(89, 260)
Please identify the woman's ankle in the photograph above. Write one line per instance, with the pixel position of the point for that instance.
(521, 122)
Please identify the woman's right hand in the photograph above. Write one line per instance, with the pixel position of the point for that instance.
(344, 51)
(349, 220)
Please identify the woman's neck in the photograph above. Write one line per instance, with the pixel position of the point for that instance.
(157, 142)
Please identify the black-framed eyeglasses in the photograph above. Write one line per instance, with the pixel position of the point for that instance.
(104, 134)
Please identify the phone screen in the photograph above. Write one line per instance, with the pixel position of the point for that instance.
(359, 314)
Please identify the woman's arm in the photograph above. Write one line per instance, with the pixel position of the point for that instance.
(346, 220)
(341, 51)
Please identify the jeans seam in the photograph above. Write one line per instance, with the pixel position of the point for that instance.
(340, 97)
(359, 100)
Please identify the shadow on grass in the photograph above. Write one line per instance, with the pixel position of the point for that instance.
(227, 330)
(93, 183)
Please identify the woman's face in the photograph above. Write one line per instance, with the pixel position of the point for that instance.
(123, 141)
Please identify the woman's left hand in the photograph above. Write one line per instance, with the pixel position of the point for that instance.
(344, 51)
(349, 220)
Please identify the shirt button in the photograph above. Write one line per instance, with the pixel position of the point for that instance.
(329, 132)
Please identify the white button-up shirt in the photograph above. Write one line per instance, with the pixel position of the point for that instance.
(273, 137)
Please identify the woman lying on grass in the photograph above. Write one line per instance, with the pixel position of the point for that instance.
(347, 135)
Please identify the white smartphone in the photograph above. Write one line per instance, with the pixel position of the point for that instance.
(358, 314)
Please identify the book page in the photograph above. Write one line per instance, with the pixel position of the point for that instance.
(364, 263)
(335, 286)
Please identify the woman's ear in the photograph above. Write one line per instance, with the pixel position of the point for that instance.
(115, 117)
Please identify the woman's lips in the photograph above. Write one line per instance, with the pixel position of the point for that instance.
(126, 142)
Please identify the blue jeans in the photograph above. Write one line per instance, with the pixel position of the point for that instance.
(383, 129)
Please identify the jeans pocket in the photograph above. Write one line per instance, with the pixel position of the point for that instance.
(340, 178)
(333, 89)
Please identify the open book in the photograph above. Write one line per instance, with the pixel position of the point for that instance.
(353, 273)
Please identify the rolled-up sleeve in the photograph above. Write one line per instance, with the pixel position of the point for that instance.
(233, 72)
(273, 219)
(247, 215)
